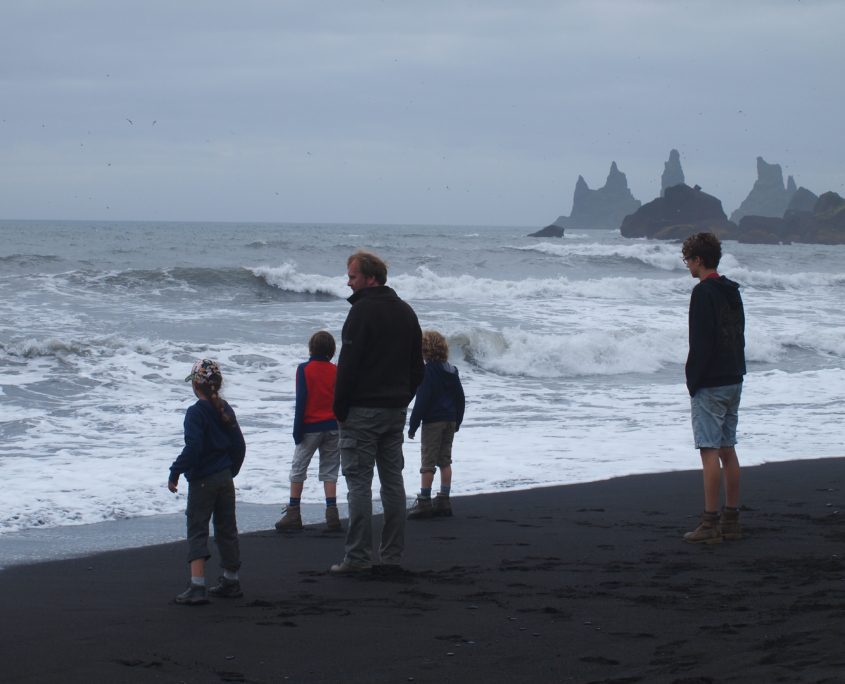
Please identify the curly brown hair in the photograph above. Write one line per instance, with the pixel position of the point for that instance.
(434, 346)
(705, 246)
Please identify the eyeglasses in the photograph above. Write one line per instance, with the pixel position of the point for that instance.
(686, 260)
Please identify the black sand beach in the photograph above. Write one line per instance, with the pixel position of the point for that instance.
(584, 583)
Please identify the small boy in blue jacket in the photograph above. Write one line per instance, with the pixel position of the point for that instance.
(440, 407)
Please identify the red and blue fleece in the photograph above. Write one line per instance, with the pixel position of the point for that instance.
(315, 381)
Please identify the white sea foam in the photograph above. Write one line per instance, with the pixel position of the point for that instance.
(286, 277)
(664, 256)
(516, 352)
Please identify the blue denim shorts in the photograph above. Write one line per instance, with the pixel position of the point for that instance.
(715, 413)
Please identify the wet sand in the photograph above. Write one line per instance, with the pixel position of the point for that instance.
(581, 583)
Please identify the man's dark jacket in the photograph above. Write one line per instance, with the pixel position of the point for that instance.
(380, 363)
(716, 335)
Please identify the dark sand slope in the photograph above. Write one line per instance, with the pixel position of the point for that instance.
(587, 583)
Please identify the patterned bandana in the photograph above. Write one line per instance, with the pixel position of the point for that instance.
(203, 371)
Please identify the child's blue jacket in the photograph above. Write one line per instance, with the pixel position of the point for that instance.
(440, 396)
(210, 446)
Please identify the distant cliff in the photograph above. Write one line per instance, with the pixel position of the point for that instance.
(773, 212)
(824, 224)
(601, 208)
(768, 196)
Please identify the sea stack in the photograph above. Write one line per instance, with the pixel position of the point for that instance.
(673, 174)
(769, 196)
(601, 208)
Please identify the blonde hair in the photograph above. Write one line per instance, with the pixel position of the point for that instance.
(434, 346)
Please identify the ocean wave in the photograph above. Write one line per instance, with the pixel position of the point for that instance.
(288, 279)
(28, 260)
(662, 256)
(771, 280)
(226, 282)
(597, 352)
(425, 284)
(516, 352)
(32, 348)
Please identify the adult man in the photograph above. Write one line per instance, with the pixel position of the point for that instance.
(378, 370)
(714, 369)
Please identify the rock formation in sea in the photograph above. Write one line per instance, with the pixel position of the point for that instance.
(803, 200)
(604, 207)
(681, 212)
(769, 196)
(552, 230)
(673, 174)
(824, 224)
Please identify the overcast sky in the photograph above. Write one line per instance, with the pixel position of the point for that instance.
(418, 111)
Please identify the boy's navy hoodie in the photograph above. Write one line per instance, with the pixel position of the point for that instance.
(440, 396)
(716, 335)
(210, 446)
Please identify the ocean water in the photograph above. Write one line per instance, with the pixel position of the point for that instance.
(571, 353)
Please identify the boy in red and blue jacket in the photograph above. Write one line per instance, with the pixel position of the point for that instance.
(314, 427)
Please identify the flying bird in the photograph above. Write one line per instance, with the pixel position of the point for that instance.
(131, 123)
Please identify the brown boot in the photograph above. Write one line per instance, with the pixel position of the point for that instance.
(291, 520)
(333, 519)
(441, 506)
(707, 532)
(729, 523)
(420, 509)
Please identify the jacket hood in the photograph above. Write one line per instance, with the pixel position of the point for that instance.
(727, 286)
(446, 371)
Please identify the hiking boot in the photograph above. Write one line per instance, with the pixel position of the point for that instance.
(194, 595)
(729, 523)
(420, 509)
(226, 588)
(345, 568)
(333, 519)
(707, 532)
(441, 506)
(291, 520)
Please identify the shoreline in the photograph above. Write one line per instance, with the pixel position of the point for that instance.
(41, 545)
(578, 583)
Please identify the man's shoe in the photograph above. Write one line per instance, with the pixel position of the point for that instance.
(226, 588)
(441, 506)
(345, 568)
(291, 520)
(421, 509)
(194, 595)
(333, 519)
(707, 532)
(729, 524)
